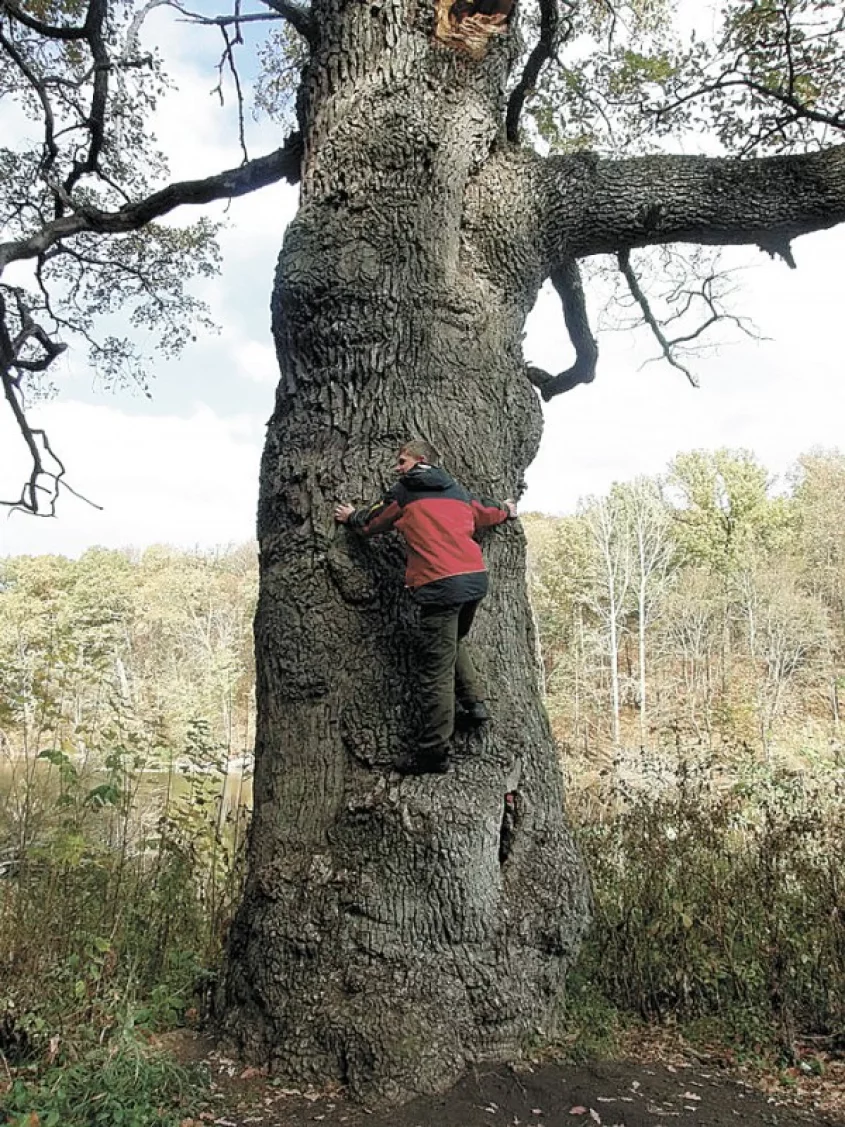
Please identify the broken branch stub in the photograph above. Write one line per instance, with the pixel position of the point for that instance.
(468, 25)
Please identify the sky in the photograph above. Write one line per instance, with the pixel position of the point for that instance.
(182, 467)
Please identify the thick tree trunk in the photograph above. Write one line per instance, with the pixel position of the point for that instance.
(394, 930)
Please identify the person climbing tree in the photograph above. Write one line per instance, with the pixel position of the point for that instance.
(445, 573)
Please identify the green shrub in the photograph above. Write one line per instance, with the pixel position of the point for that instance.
(115, 911)
(127, 1087)
(722, 896)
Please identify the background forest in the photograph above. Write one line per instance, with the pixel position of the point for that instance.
(692, 633)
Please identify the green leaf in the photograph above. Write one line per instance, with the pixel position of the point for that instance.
(106, 794)
(55, 756)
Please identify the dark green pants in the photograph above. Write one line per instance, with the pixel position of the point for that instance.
(445, 670)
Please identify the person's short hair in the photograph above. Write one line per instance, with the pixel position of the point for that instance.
(419, 448)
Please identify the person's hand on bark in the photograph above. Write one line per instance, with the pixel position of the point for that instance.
(343, 511)
(510, 505)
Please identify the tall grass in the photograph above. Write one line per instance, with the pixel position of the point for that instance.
(118, 874)
(719, 894)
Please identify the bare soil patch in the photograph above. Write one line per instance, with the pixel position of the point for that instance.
(619, 1093)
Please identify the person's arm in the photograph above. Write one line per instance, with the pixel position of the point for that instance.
(489, 513)
(371, 519)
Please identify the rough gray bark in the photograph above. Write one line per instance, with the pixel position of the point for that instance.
(385, 939)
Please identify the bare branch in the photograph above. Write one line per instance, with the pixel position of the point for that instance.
(228, 21)
(228, 59)
(299, 16)
(34, 438)
(543, 50)
(133, 34)
(28, 499)
(624, 258)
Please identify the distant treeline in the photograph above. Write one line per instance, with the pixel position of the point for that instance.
(699, 607)
(123, 647)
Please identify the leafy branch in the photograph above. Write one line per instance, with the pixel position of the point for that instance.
(89, 87)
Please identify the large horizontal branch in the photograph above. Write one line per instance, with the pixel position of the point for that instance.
(533, 218)
(593, 206)
(283, 164)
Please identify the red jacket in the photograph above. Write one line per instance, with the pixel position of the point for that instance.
(438, 519)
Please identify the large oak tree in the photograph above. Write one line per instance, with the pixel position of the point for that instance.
(392, 930)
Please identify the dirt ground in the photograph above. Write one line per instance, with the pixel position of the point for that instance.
(622, 1093)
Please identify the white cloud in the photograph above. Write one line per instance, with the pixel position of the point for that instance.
(186, 481)
(255, 360)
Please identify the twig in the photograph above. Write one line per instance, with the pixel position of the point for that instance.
(624, 259)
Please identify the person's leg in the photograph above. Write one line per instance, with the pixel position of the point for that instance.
(436, 672)
(468, 687)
